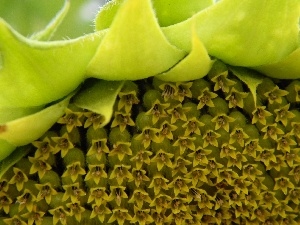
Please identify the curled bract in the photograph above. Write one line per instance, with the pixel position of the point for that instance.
(28, 128)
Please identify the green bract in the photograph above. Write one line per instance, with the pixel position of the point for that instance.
(137, 39)
(36, 73)
(288, 67)
(230, 32)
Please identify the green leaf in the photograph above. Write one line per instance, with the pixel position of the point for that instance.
(99, 97)
(50, 29)
(251, 78)
(14, 157)
(287, 68)
(34, 73)
(194, 66)
(242, 33)
(169, 12)
(24, 130)
(134, 46)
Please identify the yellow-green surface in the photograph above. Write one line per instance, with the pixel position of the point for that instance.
(188, 142)
(194, 152)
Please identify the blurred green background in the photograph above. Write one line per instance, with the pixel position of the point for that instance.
(30, 16)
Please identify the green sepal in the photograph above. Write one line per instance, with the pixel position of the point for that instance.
(251, 78)
(6, 149)
(107, 14)
(29, 128)
(99, 97)
(287, 68)
(9, 114)
(227, 31)
(50, 70)
(169, 12)
(137, 54)
(194, 66)
(14, 157)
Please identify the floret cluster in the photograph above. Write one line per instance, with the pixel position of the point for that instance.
(198, 152)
